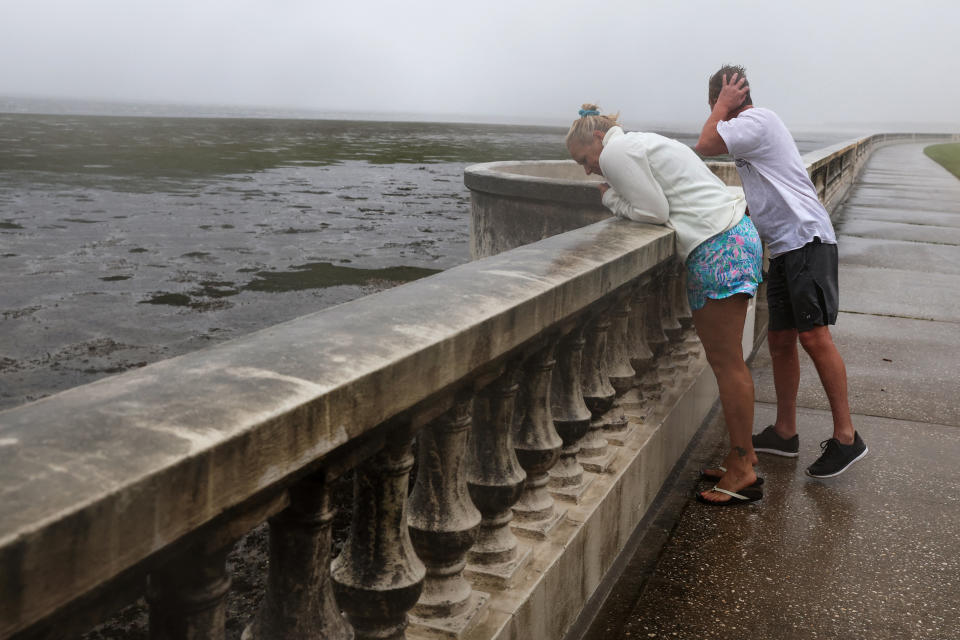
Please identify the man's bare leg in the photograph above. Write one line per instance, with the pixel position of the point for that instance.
(786, 379)
(818, 343)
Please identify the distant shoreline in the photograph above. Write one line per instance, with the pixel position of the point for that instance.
(80, 107)
(46, 105)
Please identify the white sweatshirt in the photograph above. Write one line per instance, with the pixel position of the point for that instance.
(658, 180)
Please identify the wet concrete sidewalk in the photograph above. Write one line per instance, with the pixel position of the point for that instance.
(875, 552)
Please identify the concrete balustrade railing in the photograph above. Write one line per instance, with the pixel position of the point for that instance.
(158, 471)
(549, 388)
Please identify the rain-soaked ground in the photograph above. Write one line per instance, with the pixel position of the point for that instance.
(126, 240)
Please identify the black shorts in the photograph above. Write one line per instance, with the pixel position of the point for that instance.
(802, 291)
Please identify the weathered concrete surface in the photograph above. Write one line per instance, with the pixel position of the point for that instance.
(913, 231)
(901, 293)
(872, 553)
(95, 479)
(944, 219)
(911, 256)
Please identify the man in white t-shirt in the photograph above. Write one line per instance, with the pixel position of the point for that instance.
(802, 292)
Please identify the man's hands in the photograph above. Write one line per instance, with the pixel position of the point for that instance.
(603, 186)
(732, 94)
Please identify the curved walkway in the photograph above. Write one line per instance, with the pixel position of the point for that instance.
(874, 553)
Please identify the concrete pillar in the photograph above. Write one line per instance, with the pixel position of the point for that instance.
(299, 600)
(683, 312)
(495, 480)
(537, 446)
(598, 393)
(616, 425)
(690, 348)
(656, 338)
(617, 354)
(378, 576)
(443, 522)
(651, 384)
(641, 357)
(187, 597)
(571, 417)
(668, 311)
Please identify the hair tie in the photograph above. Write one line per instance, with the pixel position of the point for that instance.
(588, 112)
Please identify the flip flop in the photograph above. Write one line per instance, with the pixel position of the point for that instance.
(746, 495)
(709, 477)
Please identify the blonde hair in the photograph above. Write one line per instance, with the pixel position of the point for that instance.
(583, 127)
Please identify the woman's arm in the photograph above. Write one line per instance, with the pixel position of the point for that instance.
(634, 192)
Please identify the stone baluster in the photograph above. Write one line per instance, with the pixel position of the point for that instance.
(683, 313)
(537, 446)
(595, 454)
(616, 425)
(641, 357)
(617, 354)
(652, 385)
(378, 576)
(187, 596)
(669, 360)
(299, 600)
(571, 418)
(670, 364)
(668, 308)
(443, 523)
(656, 338)
(495, 480)
(689, 344)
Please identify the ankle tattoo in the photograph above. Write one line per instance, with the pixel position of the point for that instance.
(740, 451)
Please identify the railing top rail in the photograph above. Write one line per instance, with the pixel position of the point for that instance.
(812, 159)
(95, 479)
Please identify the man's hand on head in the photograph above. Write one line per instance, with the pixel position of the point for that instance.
(732, 94)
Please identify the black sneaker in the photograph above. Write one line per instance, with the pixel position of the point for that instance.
(837, 458)
(767, 441)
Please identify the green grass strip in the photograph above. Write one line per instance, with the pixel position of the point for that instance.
(948, 155)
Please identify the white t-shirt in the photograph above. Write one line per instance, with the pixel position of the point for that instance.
(783, 202)
(658, 180)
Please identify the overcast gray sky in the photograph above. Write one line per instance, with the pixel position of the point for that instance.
(814, 62)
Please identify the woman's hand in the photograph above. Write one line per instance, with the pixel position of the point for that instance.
(603, 186)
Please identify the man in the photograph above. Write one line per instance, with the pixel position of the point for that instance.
(802, 291)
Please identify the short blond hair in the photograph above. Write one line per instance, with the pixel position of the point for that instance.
(583, 127)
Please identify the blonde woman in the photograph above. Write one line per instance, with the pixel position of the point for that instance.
(657, 180)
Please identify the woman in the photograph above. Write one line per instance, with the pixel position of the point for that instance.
(653, 179)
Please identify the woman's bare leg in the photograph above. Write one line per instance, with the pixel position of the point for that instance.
(720, 327)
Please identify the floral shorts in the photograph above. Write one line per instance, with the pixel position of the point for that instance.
(728, 263)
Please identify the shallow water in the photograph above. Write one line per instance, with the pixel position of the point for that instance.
(125, 240)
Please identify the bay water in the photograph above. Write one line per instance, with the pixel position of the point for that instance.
(129, 239)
